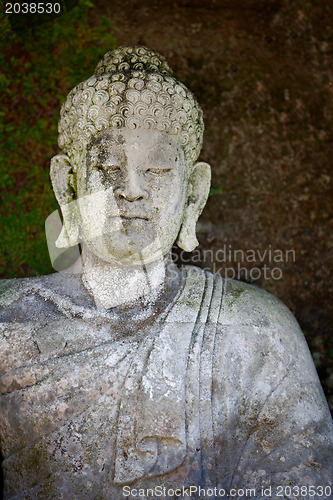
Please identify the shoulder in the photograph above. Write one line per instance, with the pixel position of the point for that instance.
(257, 328)
(262, 318)
(12, 290)
(240, 303)
(26, 299)
(247, 304)
(250, 319)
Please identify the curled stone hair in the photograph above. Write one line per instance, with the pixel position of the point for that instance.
(132, 87)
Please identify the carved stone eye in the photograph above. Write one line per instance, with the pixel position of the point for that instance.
(108, 169)
(158, 171)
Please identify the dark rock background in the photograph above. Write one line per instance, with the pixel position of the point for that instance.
(263, 74)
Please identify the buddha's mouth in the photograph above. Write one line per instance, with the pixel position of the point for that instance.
(129, 218)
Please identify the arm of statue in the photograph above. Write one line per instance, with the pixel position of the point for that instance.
(274, 429)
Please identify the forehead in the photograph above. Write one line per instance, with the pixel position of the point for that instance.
(138, 141)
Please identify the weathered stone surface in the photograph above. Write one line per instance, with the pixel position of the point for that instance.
(217, 388)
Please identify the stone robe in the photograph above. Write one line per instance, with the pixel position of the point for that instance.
(215, 388)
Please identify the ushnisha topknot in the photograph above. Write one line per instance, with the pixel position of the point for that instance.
(132, 87)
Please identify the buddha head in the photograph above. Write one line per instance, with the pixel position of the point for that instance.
(127, 179)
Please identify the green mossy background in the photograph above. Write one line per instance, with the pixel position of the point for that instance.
(262, 71)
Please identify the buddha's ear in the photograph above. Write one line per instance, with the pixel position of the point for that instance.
(198, 191)
(63, 179)
(64, 187)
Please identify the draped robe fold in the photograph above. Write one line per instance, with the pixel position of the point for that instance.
(219, 391)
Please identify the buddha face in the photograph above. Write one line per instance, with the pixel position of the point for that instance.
(131, 190)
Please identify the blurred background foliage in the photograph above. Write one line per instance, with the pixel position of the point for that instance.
(42, 58)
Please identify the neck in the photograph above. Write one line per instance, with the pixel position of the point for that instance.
(113, 284)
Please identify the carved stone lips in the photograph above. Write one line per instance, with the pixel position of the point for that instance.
(133, 217)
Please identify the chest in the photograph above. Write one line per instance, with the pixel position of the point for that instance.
(60, 379)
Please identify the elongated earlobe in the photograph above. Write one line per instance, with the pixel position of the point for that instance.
(199, 184)
(187, 239)
(70, 232)
(63, 183)
(62, 178)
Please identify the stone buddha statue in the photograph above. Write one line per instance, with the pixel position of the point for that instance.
(132, 377)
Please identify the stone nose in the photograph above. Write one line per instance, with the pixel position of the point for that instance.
(132, 187)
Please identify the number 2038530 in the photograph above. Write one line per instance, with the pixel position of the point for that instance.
(32, 8)
(303, 491)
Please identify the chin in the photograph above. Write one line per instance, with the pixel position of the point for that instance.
(123, 256)
(125, 248)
